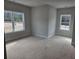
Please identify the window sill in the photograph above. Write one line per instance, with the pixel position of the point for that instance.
(14, 32)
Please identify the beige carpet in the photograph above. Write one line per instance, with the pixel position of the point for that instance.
(32, 47)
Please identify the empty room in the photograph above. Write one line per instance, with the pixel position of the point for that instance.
(39, 29)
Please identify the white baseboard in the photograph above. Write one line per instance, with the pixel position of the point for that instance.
(43, 36)
(40, 35)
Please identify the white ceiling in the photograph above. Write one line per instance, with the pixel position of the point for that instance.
(54, 3)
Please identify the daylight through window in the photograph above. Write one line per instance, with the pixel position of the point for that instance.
(13, 21)
(65, 22)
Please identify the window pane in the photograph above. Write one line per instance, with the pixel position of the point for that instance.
(18, 21)
(8, 26)
(7, 15)
(7, 21)
(66, 27)
(18, 17)
(65, 20)
(65, 23)
(18, 26)
(62, 27)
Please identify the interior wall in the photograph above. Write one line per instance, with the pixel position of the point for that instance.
(60, 11)
(73, 35)
(43, 21)
(20, 8)
(40, 21)
(52, 21)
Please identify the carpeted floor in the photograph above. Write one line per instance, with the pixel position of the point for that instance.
(32, 47)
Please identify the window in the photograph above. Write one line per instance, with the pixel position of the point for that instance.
(13, 21)
(65, 22)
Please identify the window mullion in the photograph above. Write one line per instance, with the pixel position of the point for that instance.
(13, 21)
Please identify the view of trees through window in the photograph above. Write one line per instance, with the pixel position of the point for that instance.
(18, 17)
(13, 21)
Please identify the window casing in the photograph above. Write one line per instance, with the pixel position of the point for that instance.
(65, 22)
(13, 21)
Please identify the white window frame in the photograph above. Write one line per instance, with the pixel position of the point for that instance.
(23, 20)
(61, 21)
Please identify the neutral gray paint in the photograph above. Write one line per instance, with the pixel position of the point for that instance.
(43, 18)
(51, 21)
(40, 21)
(73, 35)
(60, 11)
(19, 8)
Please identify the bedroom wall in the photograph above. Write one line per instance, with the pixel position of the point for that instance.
(40, 21)
(43, 21)
(52, 21)
(73, 35)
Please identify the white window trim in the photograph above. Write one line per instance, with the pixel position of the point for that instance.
(61, 20)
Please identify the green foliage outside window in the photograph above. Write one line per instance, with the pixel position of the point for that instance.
(18, 18)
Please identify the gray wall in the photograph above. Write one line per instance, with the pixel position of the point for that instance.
(51, 21)
(20, 8)
(60, 11)
(40, 21)
(43, 21)
(73, 35)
